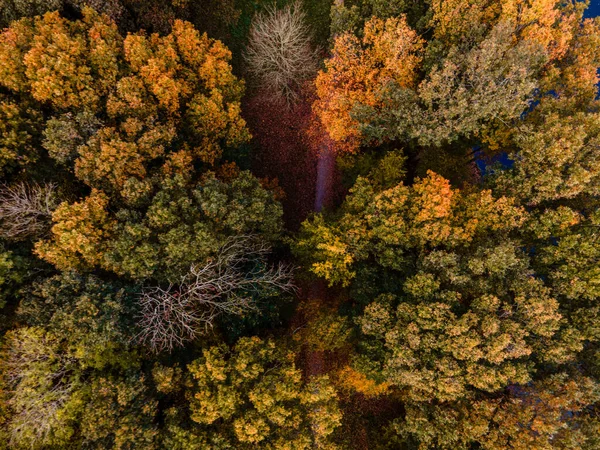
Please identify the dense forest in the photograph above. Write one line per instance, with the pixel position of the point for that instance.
(285, 225)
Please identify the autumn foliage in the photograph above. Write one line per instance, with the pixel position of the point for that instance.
(391, 240)
(388, 52)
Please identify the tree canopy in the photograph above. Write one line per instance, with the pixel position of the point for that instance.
(317, 224)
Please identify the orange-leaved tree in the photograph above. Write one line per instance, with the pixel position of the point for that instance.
(389, 51)
(117, 106)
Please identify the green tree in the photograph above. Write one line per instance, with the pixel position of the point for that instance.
(254, 395)
(351, 15)
(71, 374)
(465, 311)
(177, 226)
(11, 274)
(482, 68)
(475, 88)
(548, 414)
(15, 9)
(478, 314)
(94, 317)
(556, 159)
(19, 135)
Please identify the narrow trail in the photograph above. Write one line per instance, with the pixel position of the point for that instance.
(301, 156)
(315, 361)
(284, 151)
(325, 174)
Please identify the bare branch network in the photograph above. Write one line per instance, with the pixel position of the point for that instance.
(177, 314)
(33, 362)
(26, 209)
(280, 55)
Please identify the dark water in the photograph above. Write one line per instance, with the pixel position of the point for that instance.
(594, 9)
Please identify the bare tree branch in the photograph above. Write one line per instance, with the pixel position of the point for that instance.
(26, 210)
(177, 314)
(39, 377)
(279, 53)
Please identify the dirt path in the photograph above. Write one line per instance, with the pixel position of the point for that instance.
(315, 361)
(325, 174)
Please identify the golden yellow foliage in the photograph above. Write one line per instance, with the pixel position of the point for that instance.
(14, 42)
(454, 18)
(136, 95)
(546, 22)
(351, 380)
(80, 233)
(61, 60)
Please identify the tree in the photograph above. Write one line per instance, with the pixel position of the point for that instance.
(124, 99)
(324, 329)
(75, 356)
(388, 52)
(26, 210)
(19, 130)
(143, 121)
(279, 53)
(54, 403)
(568, 147)
(12, 274)
(92, 319)
(484, 347)
(177, 226)
(548, 414)
(227, 284)
(120, 413)
(465, 309)
(386, 223)
(351, 15)
(34, 367)
(474, 88)
(482, 69)
(15, 9)
(561, 130)
(254, 395)
(81, 229)
(546, 22)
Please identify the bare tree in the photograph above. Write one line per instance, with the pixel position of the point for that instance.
(279, 53)
(26, 209)
(37, 373)
(226, 284)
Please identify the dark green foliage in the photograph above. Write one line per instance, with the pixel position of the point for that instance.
(56, 369)
(181, 227)
(11, 275)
